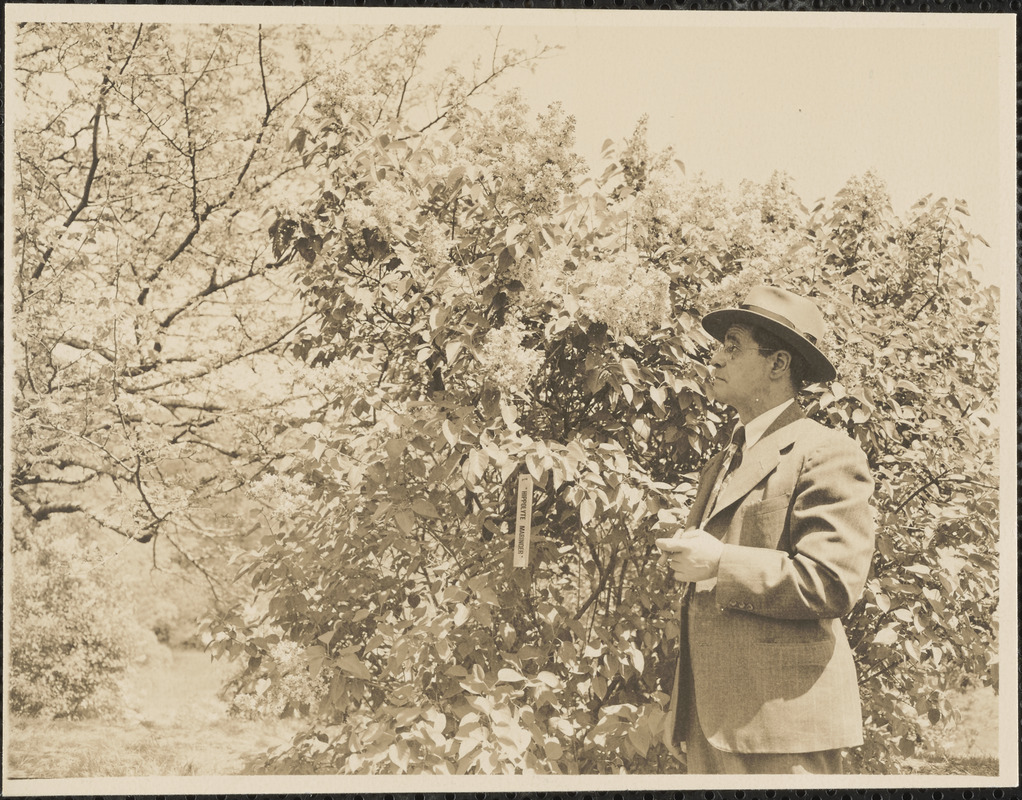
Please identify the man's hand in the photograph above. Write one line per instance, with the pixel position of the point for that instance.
(693, 556)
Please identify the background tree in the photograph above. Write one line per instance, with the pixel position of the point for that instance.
(145, 299)
(150, 314)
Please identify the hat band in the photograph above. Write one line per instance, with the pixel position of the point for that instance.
(787, 323)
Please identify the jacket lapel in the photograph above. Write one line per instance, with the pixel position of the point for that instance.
(706, 480)
(760, 459)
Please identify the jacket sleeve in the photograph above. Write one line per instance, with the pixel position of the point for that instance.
(831, 537)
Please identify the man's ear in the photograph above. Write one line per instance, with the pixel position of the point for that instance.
(781, 363)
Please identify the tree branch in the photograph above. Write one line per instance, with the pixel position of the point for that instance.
(45, 512)
(90, 177)
(921, 489)
(197, 565)
(940, 261)
(213, 287)
(81, 344)
(495, 73)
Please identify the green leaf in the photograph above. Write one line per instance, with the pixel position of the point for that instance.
(352, 665)
(477, 462)
(640, 739)
(405, 522)
(535, 468)
(451, 433)
(451, 350)
(631, 371)
(509, 675)
(587, 510)
(508, 412)
(424, 508)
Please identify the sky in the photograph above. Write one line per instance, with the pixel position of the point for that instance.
(919, 104)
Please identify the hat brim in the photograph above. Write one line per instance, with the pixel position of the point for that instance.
(716, 324)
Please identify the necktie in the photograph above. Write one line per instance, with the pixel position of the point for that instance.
(731, 461)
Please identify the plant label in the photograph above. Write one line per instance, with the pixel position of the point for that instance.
(523, 521)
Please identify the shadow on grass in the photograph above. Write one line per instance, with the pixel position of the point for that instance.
(944, 764)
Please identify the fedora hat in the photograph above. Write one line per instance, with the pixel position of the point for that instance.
(793, 319)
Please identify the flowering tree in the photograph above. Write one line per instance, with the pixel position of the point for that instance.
(150, 313)
(500, 315)
(145, 300)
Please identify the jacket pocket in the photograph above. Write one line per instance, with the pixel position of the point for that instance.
(792, 671)
(795, 654)
(764, 522)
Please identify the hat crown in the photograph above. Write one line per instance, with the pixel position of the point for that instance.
(798, 313)
(796, 320)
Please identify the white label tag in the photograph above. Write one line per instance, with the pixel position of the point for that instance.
(523, 521)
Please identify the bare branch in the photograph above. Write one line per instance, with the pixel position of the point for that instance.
(81, 344)
(411, 73)
(213, 287)
(45, 512)
(495, 73)
(203, 371)
(200, 218)
(39, 480)
(262, 76)
(126, 467)
(90, 177)
(212, 446)
(205, 573)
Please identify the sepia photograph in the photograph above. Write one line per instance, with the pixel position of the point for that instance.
(422, 400)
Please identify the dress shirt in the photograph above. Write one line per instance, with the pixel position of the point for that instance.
(756, 428)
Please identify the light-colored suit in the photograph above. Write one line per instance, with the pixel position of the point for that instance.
(770, 666)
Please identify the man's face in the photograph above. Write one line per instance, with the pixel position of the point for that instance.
(740, 371)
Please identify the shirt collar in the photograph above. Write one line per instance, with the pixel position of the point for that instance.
(756, 428)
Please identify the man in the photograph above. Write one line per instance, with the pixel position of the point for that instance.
(777, 547)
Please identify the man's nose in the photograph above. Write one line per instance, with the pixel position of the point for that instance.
(717, 358)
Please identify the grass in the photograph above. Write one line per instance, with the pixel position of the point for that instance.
(174, 725)
(92, 748)
(946, 764)
(968, 747)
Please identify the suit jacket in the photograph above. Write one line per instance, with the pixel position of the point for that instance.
(764, 652)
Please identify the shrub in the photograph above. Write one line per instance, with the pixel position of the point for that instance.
(72, 635)
(278, 684)
(501, 354)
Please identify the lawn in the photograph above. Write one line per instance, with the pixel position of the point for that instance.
(174, 725)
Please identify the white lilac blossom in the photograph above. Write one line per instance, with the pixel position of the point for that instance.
(631, 299)
(504, 362)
